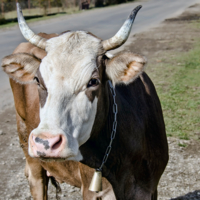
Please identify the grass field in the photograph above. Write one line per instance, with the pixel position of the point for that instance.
(33, 11)
(39, 11)
(178, 86)
(30, 20)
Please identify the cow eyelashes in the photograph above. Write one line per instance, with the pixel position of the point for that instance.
(93, 82)
(37, 80)
(41, 85)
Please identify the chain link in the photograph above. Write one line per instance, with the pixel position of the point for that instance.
(114, 128)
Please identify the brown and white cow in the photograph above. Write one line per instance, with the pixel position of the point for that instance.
(64, 113)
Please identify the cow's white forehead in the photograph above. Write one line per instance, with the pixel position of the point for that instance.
(71, 56)
(66, 70)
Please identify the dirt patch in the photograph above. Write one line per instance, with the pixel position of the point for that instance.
(181, 179)
(192, 13)
(181, 176)
(13, 184)
(189, 17)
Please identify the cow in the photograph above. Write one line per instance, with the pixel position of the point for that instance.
(75, 102)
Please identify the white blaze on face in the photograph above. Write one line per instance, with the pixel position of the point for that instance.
(66, 71)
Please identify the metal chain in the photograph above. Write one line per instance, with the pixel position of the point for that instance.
(114, 128)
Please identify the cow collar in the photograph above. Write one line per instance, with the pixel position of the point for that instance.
(96, 183)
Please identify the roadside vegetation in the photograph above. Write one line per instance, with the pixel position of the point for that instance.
(173, 53)
(178, 85)
(181, 98)
(36, 10)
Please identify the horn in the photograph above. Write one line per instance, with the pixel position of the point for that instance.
(27, 32)
(122, 35)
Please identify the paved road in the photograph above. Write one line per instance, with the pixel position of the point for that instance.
(102, 22)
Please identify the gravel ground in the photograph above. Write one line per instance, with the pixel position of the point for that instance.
(181, 179)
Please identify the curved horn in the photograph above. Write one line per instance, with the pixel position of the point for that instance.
(27, 32)
(122, 35)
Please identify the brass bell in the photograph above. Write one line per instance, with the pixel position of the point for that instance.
(96, 183)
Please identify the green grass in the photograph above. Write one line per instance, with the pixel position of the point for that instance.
(178, 87)
(196, 24)
(182, 145)
(37, 11)
(31, 20)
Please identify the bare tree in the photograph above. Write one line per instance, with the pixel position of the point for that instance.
(2, 9)
(99, 3)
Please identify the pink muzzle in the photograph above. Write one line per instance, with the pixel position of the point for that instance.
(47, 145)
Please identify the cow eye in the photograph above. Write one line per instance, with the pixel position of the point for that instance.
(37, 80)
(93, 82)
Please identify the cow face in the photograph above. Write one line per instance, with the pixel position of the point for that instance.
(68, 82)
(70, 78)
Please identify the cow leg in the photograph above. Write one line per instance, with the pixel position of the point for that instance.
(37, 178)
(154, 195)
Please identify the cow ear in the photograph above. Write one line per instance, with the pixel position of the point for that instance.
(21, 67)
(125, 67)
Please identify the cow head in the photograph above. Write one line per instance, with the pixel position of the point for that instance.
(70, 79)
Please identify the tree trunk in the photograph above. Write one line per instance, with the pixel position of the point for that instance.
(99, 3)
(2, 10)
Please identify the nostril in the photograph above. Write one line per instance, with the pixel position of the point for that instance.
(57, 144)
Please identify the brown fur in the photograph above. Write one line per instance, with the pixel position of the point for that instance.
(125, 67)
(21, 65)
(27, 114)
(139, 153)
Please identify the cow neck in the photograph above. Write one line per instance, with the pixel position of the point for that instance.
(94, 149)
(112, 117)
(96, 182)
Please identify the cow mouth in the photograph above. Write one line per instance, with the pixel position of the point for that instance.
(52, 148)
(54, 159)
